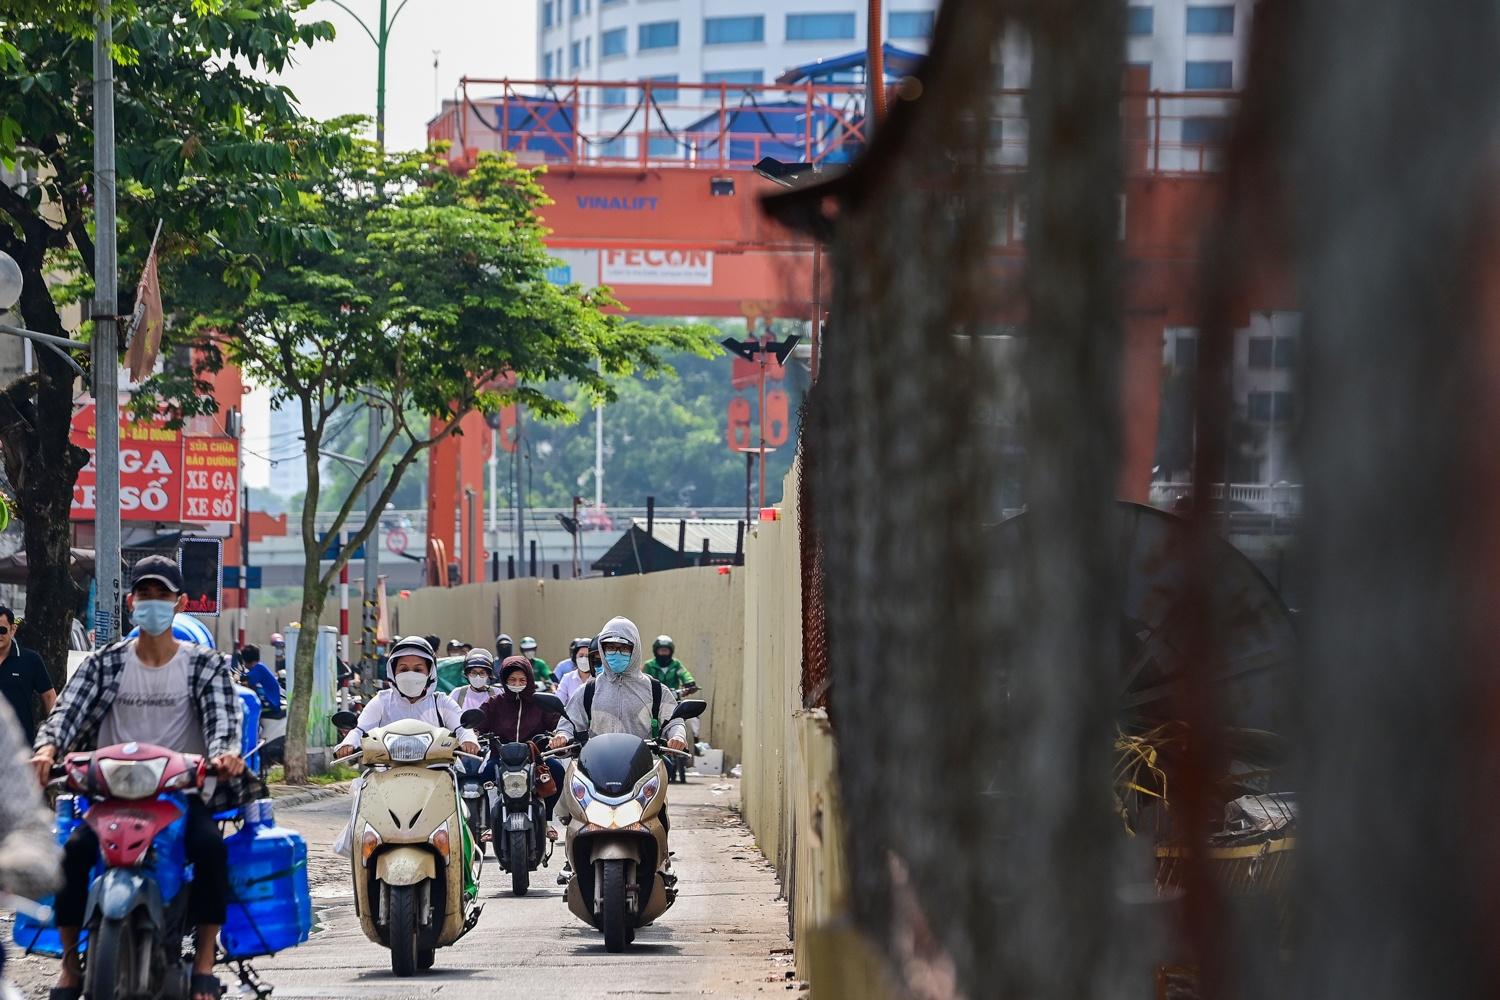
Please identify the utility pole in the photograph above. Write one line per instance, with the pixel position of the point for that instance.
(105, 348)
(244, 561)
(369, 653)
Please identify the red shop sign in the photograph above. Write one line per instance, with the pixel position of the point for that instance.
(165, 475)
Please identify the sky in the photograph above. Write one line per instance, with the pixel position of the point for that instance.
(473, 38)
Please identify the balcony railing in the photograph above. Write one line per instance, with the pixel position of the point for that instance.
(722, 126)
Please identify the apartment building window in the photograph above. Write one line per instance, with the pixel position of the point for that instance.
(1270, 353)
(575, 7)
(733, 30)
(1270, 407)
(1185, 352)
(1216, 20)
(1140, 20)
(588, 51)
(1206, 130)
(739, 76)
(1209, 76)
(613, 42)
(547, 14)
(610, 3)
(546, 65)
(657, 35)
(663, 95)
(613, 97)
(819, 27)
(912, 23)
(575, 49)
(664, 146)
(614, 149)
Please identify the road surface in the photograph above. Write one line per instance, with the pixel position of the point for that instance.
(726, 937)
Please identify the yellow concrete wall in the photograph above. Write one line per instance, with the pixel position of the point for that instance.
(790, 769)
(701, 608)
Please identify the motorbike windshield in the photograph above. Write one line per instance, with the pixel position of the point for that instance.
(515, 754)
(614, 762)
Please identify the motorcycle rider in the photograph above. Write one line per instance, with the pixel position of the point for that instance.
(623, 695)
(179, 695)
(29, 857)
(539, 666)
(479, 668)
(505, 647)
(666, 668)
(580, 672)
(515, 717)
(413, 672)
(565, 667)
(260, 678)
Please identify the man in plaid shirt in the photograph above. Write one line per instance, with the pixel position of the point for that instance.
(152, 689)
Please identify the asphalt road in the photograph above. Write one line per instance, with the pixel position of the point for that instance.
(726, 936)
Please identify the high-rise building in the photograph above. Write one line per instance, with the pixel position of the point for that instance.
(288, 475)
(709, 41)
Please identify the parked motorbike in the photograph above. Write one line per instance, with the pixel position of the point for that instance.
(518, 814)
(616, 794)
(415, 865)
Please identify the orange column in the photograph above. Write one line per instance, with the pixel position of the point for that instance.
(469, 494)
(442, 501)
(1140, 403)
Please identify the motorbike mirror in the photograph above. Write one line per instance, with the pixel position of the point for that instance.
(690, 709)
(471, 718)
(550, 702)
(345, 720)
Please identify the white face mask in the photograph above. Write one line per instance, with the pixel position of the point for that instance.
(584, 666)
(516, 688)
(477, 681)
(411, 683)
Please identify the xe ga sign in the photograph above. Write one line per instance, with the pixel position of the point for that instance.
(165, 475)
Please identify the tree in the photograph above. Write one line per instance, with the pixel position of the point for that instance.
(432, 304)
(206, 147)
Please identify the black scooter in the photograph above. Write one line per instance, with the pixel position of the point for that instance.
(515, 815)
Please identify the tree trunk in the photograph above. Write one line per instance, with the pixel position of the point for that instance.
(43, 465)
(313, 599)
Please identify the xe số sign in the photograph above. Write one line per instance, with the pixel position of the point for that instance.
(165, 474)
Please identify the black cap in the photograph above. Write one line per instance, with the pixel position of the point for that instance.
(158, 569)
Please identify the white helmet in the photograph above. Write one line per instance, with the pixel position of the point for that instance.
(414, 646)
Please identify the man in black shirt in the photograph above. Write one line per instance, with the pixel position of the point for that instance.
(22, 675)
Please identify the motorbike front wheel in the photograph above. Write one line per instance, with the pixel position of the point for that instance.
(404, 927)
(520, 862)
(614, 912)
(119, 961)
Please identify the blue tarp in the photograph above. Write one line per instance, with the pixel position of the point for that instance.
(777, 129)
(840, 69)
(537, 124)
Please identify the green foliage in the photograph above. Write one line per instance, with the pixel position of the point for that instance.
(432, 300)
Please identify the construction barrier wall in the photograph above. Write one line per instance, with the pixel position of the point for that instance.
(701, 608)
(789, 791)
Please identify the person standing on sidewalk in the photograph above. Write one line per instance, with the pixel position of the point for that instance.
(23, 676)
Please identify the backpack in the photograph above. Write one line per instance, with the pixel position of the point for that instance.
(588, 705)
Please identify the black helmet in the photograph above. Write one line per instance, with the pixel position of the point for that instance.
(664, 640)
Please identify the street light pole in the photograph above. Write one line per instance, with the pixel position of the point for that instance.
(106, 356)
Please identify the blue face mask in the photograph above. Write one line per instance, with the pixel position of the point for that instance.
(618, 663)
(154, 617)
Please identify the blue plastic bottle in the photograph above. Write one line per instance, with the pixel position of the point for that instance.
(249, 726)
(270, 906)
(30, 936)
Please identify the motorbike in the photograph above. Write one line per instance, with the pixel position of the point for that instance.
(517, 814)
(677, 765)
(476, 785)
(415, 865)
(616, 795)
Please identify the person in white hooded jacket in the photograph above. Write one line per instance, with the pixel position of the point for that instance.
(623, 695)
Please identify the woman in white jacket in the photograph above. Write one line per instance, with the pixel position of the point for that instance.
(414, 673)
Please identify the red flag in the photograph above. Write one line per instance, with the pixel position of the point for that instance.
(147, 322)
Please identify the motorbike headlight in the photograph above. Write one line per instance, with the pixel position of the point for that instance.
(648, 792)
(517, 784)
(133, 779)
(580, 792)
(628, 814)
(408, 748)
